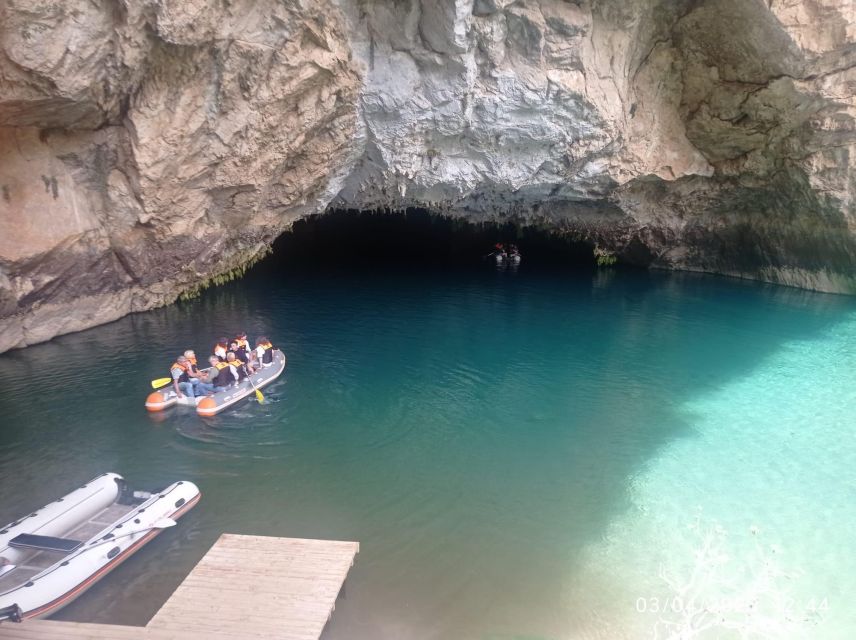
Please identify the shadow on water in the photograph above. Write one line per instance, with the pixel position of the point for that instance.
(473, 429)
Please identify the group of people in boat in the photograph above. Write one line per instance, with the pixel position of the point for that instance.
(503, 252)
(232, 361)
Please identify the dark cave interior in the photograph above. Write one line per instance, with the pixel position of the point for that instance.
(418, 236)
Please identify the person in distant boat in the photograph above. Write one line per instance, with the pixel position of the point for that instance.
(264, 351)
(221, 348)
(244, 368)
(222, 374)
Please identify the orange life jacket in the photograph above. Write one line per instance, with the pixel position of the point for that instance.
(183, 377)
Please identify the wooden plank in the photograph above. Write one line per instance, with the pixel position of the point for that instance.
(245, 587)
(255, 586)
(54, 630)
(59, 630)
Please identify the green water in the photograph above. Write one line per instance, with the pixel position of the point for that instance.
(520, 455)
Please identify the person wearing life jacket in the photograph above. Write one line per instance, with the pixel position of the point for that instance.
(180, 378)
(242, 341)
(221, 348)
(243, 350)
(244, 368)
(190, 354)
(186, 379)
(197, 377)
(242, 356)
(264, 351)
(192, 369)
(222, 374)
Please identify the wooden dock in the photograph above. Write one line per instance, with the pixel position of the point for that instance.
(244, 587)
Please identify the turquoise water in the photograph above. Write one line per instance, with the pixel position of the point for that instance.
(540, 454)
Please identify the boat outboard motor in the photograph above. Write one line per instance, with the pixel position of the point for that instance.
(12, 612)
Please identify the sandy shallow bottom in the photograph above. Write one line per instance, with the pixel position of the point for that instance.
(746, 527)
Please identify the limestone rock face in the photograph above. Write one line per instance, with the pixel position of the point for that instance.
(522, 103)
(148, 147)
(712, 136)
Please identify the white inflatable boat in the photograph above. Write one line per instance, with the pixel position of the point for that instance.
(51, 556)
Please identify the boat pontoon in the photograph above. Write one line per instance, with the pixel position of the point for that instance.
(52, 555)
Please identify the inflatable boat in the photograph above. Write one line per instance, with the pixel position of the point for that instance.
(166, 398)
(52, 555)
(222, 399)
(502, 258)
(225, 398)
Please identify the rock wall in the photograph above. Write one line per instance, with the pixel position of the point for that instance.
(149, 147)
(710, 135)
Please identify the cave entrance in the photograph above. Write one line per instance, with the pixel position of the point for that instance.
(417, 236)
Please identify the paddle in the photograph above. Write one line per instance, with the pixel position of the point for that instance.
(160, 382)
(259, 395)
(164, 523)
(161, 523)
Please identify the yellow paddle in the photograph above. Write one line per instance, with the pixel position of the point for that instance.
(259, 395)
(160, 382)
